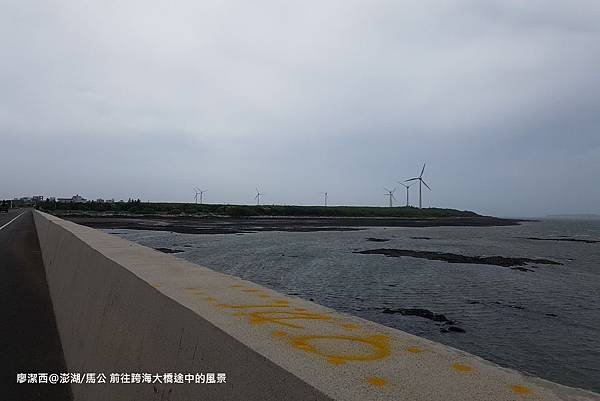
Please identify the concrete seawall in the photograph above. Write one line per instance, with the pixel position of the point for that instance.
(124, 308)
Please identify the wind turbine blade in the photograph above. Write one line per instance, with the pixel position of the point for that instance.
(424, 183)
(386, 189)
(412, 179)
(422, 170)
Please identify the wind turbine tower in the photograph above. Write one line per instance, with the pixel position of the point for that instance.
(390, 194)
(257, 197)
(325, 194)
(421, 181)
(200, 192)
(407, 187)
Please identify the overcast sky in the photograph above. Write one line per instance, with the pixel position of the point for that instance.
(148, 99)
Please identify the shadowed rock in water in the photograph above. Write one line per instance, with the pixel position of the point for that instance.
(448, 325)
(585, 241)
(377, 239)
(168, 250)
(454, 329)
(424, 313)
(521, 268)
(455, 258)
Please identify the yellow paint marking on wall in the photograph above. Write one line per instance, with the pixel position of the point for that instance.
(414, 350)
(349, 326)
(378, 346)
(301, 310)
(262, 317)
(521, 390)
(230, 306)
(264, 296)
(459, 367)
(239, 315)
(376, 381)
(279, 334)
(251, 290)
(236, 286)
(156, 285)
(210, 299)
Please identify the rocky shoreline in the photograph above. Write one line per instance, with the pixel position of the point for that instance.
(227, 225)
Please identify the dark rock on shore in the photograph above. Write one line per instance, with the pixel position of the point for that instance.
(455, 258)
(236, 225)
(425, 238)
(168, 250)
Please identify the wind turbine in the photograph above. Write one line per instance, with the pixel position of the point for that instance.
(325, 196)
(405, 186)
(390, 193)
(200, 192)
(257, 197)
(420, 179)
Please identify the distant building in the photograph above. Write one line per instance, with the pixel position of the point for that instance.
(73, 199)
(99, 200)
(25, 201)
(38, 198)
(79, 199)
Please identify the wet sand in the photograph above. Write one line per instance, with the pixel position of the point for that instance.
(225, 225)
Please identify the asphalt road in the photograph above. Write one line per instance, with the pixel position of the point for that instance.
(29, 340)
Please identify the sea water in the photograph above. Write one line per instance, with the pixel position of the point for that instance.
(545, 322)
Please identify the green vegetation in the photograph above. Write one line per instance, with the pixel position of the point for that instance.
(137, 207)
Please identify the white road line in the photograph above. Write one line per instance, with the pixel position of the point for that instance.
(4, 226)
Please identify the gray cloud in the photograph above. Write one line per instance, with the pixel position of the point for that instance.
(147, 99)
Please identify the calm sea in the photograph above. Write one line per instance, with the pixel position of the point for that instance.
(545, 322)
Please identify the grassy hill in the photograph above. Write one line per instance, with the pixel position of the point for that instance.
(137, 207)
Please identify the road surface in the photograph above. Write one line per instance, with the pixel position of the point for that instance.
(29, 340)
